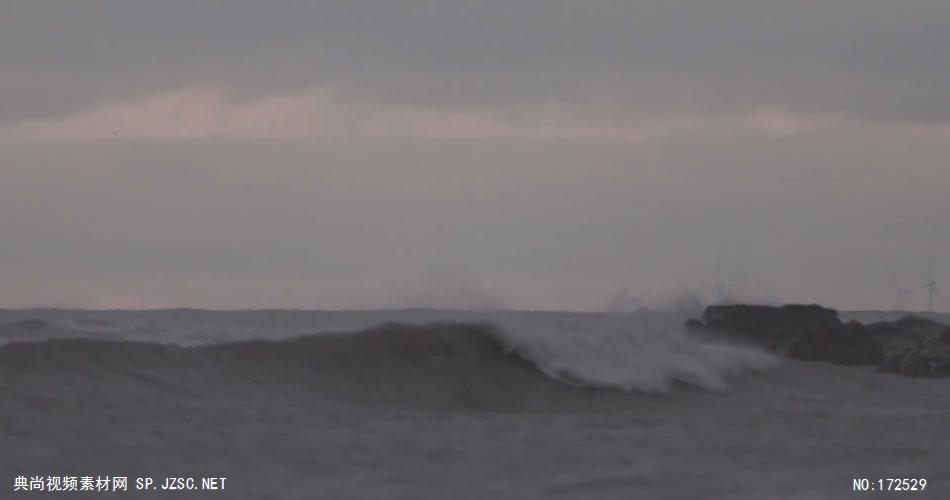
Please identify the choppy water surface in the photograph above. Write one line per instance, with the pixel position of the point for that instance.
(460, 404)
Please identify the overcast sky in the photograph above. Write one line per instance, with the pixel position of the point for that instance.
(528, 154)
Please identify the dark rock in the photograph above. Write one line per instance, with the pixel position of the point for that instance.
(753, 319)
(806, 332)
(911, 346)
(693, 324)
(847, 344)
(914, 346)
(904, 336)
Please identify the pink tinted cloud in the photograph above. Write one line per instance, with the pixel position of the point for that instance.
(201, 113)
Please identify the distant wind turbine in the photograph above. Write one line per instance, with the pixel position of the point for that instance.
(902, 293)
(931, 287)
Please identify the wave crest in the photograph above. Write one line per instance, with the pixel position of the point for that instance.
(436, 364)
(636, 353)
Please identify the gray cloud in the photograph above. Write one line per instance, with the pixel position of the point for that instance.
(441, 167)
(872, 58)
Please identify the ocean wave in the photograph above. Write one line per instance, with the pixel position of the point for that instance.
(435, 364)
(636, 352)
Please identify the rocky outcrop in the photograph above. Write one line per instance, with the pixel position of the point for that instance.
(911, 346)
(914, 346)
(806, 332)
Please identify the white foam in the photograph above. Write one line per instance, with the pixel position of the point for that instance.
(641, 352)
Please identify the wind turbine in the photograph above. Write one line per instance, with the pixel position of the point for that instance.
(902, 293)
(931, 287)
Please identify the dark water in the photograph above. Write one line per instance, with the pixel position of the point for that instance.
(511, 405)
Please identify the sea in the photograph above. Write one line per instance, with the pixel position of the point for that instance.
(424, 403)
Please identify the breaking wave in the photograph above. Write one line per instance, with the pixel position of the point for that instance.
(636, 353)
(435, 364)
